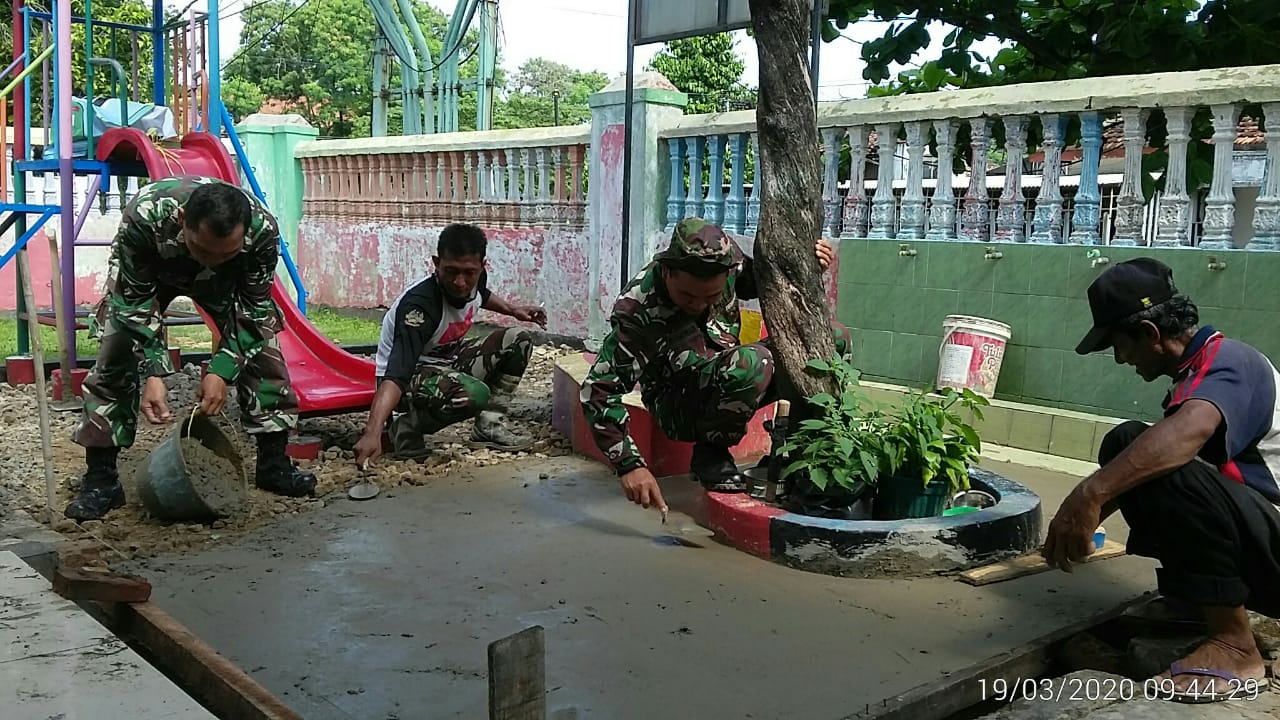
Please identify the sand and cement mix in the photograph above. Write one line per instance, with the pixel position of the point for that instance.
(214, 478)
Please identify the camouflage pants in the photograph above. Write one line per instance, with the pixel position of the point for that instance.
(113, 388)
(714, 400)
(481, 376)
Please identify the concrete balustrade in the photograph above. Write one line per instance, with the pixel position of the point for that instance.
(888, 163)
(501, 179)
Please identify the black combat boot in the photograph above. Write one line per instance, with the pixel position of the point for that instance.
(713, 466)
(276, 472)
(100, 488)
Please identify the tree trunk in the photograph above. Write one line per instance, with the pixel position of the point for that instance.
(791, 213)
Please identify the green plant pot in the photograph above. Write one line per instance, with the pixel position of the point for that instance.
(899, 498)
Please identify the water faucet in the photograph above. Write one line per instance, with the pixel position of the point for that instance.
(1214, 264)
(992, 254)
(905, 250)
(1097, 258)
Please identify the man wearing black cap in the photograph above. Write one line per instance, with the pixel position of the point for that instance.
(1197, 489)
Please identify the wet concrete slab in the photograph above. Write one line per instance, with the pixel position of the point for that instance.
(384, 609)
(56, 661)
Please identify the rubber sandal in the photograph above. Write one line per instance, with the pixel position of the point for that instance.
(1236, 685)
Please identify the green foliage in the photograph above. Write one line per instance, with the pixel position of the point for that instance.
(107, 43)
(531, 95)
(841, 442)
(316, 61)
(851, 439)
(241, 97)
(708, 70)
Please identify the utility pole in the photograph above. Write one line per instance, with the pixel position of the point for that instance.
(488, 51)
(555, 108)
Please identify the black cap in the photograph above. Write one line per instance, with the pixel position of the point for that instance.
(1125, 289)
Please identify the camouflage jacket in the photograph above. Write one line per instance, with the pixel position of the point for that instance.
(649, 340)
(149, 253)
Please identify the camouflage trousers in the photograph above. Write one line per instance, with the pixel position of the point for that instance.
(113, 388)
(480, 377)
(714, 400)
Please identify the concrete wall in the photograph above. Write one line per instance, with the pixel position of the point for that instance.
(367, 264)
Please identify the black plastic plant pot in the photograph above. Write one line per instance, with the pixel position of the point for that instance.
(899, 498)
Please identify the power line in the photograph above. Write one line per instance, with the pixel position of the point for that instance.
(264, 35)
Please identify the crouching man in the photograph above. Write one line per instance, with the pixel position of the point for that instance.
(430, 374)
(1197, 489)
(675, 331)
(212, 242)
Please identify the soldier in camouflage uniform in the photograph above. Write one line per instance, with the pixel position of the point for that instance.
(212, 242)
(675, 331)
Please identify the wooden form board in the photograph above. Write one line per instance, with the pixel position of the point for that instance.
(211, 678)
(517, 676)
(1030, 565)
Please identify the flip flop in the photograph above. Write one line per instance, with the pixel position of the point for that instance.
(1236, 685)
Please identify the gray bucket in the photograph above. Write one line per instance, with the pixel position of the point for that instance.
(164, 481)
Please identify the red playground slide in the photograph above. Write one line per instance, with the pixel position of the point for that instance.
(327, 379)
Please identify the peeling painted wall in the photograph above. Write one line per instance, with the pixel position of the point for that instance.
(366, 264)
(91, 265)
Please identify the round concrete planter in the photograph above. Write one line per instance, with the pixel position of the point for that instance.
(885, 548)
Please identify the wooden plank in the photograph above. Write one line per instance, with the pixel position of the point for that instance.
(517, 676)
(962, 690)
(1030, 565)
(198, 669)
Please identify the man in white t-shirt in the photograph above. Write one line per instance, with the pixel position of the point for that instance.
(430, 374)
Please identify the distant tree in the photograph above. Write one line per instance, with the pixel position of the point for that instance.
(707, 69)
(1059, 40)
(530, 100)
(316, 59)
(241, 97)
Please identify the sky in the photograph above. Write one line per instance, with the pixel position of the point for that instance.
(597, 41)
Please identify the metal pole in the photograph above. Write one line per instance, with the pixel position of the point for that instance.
(62, 81)
(21, 145)
(816, 39)
(628, 130)
(213, 123)
(158, 67)
(555, 108)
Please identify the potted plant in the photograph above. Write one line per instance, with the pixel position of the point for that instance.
(832, 456)
(909, 459)
(926, 450)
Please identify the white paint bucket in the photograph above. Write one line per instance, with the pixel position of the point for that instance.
(971, 353)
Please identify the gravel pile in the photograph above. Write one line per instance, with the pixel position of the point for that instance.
(128, 532)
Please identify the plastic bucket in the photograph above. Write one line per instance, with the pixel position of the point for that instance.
(971, 353)
(164, 481)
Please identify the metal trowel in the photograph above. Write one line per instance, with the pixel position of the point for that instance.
(364, 490)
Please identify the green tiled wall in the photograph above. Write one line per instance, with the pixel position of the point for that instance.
(895, 306)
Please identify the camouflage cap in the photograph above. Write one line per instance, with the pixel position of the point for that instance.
(695, 239)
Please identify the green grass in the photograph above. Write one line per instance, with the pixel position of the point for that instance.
(342, 329)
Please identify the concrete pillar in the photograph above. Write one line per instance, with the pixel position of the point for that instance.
(269, 141)
(657, 105)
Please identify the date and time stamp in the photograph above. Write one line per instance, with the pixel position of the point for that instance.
(1115, 689)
